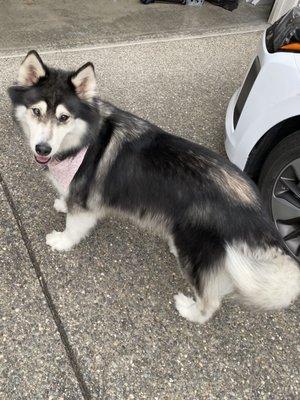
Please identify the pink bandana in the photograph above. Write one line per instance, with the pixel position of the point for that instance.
(64, 171)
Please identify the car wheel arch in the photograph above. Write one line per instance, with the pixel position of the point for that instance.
(267, 143)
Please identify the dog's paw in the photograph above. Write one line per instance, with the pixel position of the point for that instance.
(60, 205)
(188, 308)
(59, 241)
(182, 301)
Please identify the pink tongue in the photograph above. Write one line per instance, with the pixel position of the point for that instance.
(42, 159)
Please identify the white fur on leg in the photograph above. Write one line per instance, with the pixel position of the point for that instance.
(195, 311)
(60, 205)
(172, 247)
(78, 226)
(59, 241)
(190, 309)
(186, 307)
(217, 284)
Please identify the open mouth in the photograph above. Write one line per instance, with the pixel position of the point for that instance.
(42, 159)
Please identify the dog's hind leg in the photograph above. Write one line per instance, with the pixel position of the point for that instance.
(78, 225)
(203, 264)
(217, 285)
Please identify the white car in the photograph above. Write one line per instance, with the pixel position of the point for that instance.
(263, 135)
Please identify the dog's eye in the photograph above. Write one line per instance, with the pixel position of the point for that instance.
(36, 112)
(63, 118)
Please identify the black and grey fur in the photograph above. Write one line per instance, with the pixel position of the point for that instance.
(208, 211)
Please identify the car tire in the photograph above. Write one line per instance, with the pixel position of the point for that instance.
(280, 159)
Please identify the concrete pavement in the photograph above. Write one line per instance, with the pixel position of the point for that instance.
(32, 359)
(99, 322)
(54, 25)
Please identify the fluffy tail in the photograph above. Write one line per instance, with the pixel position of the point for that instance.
(267, 279)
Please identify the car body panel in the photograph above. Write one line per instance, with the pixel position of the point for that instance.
(273, 98)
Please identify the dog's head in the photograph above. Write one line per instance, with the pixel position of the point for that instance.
(56, 109)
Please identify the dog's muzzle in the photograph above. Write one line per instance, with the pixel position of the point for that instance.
(42, 153)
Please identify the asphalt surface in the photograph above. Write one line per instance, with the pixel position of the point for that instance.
(99, 322)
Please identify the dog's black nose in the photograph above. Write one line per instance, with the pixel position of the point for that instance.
(43, 149)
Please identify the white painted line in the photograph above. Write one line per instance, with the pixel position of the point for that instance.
(140, 42)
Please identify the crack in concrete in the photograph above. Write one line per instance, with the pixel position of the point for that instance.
(42, 281)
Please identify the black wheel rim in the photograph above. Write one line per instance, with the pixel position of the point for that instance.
(286, 206)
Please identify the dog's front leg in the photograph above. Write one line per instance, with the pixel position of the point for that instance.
(60, 205)
(78, 225)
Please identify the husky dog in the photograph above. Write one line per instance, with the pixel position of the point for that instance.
(103, 160)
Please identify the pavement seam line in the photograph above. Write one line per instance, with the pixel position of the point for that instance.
(140, 42)
(57, 320)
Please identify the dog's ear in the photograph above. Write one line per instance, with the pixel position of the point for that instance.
(31, 69)
(84, 82)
